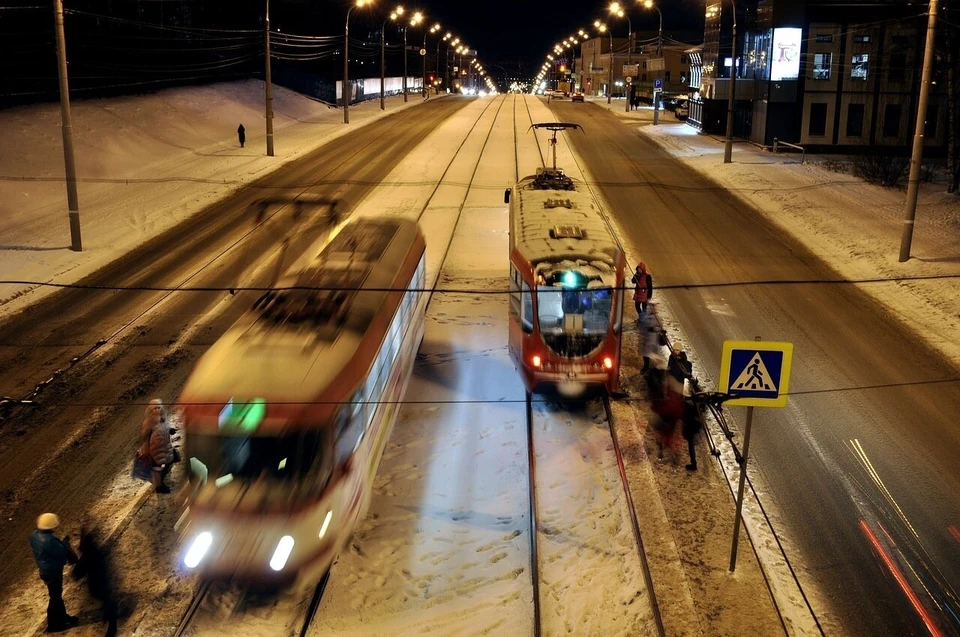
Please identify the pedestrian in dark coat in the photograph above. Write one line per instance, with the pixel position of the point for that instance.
(692, 424)
(679, 369)
(650, 335)
(94, 564)
(643, 288)
(155, 443)
(241, 135)
(52, 554)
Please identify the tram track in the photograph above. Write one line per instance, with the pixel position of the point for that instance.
(550, 528)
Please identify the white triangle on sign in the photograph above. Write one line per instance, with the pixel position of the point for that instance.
(755, 377)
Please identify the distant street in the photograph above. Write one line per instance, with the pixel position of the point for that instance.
(866, 449)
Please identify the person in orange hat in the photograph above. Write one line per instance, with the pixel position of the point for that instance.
(52, 554)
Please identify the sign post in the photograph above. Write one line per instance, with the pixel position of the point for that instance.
(756, 374)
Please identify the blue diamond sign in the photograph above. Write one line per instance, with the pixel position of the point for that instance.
(757, 373)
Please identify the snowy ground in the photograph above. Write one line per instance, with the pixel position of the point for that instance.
(144, 163)
(136, 141)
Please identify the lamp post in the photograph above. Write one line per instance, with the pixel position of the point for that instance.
(394, 16)
(728, 143)
(346, 60)
(618, 11)
(649, 4)
(423, 54)
(602, 28)
(439, 40)
(416, 19)
(267, 82)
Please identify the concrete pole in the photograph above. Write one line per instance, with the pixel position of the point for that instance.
(404, 63)
(627, 87)
(656, 95)
(268, 85)
(610, 84)
(383, 64)
(728, 144)
(70, 169)
(913, 181)
(346, 62)
(423, 71)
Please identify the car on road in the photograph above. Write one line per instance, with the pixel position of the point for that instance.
(682, 111)
(576, 97)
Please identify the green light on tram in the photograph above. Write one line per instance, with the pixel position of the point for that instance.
(573, 280)
(246, 417)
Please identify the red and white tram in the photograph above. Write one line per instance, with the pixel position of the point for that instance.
(287, 415)
(566, 283)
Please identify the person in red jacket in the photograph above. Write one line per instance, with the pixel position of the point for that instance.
(643, 288)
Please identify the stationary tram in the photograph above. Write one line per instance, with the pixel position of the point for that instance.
(288, 414)
(566, 285)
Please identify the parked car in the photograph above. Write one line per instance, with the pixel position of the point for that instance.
(576, 97)
(682, 111)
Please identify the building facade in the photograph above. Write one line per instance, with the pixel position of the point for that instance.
(823, 73)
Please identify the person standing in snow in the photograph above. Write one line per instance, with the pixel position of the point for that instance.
(692, 424)
(679, 369)
(241, 135)
(155, 443)
(650, 335)
(52, 554)
(94, 564)
(643, 288)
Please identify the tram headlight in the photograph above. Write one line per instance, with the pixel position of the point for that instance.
(326, 524)
(196, 552)
(536, 361)
(280, 555)
(608, 362)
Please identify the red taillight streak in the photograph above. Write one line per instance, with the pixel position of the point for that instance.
(901, 580)
(955, 532)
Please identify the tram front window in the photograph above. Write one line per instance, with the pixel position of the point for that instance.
(573, 322)
(302, 461)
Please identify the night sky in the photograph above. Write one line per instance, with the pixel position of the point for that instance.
(123, 46)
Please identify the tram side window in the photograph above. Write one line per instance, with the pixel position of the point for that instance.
(527, 302)
(514, 292)
(349, 432)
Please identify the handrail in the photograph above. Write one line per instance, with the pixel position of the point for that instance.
(776, 147)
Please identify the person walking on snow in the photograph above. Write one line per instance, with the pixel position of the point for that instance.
(52, 554)
(241, 135)
(679, 369)
(643, 288)
(94, 564)
(155, 443)
(690, 428)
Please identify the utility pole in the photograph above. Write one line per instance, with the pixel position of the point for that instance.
(913, 181)
(269, 88)
(728, 144)
(70, 168)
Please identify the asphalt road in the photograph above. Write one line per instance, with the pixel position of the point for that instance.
(870, 440)
(62, 454)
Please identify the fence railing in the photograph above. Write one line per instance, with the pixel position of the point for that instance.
(777, 144)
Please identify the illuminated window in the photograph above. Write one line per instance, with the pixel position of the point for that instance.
(821, 66)
(859, 66)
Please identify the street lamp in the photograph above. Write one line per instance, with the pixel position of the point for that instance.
(439, 40)
(649, 4)
(602, 28)
(620, 12)
(416, 19)
(394, 16)
(728, 143)
(346, 59)
(446, 71)
(423, 54)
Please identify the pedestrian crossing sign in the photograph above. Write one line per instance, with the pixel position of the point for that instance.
(756, 372)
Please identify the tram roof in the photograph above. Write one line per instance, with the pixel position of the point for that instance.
(294, 342)
(557, 227)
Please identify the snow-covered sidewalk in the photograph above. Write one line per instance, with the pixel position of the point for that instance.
(144, 164)
(853, 226)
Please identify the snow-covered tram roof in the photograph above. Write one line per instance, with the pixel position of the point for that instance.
(560, 228)
(294, 343)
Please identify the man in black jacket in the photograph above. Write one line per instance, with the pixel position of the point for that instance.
(52, 554)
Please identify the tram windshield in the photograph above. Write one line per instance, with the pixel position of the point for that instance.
(574, 322)
(299, 462)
